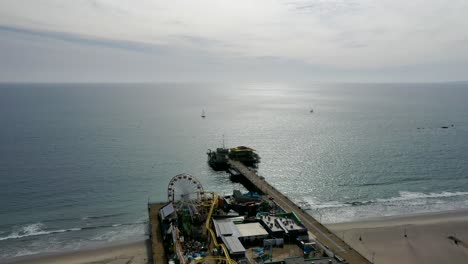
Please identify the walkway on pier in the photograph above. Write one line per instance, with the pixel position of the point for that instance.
(322, 233)
(157, 247)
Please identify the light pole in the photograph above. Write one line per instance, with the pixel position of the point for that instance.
(320, 215)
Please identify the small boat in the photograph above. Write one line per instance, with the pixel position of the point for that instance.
(203, 113)
(311, 110)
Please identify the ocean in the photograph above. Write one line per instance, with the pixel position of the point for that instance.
(79, 162)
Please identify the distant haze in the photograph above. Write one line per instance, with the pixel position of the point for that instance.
(242, 40)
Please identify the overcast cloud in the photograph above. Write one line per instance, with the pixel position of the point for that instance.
(316, 40)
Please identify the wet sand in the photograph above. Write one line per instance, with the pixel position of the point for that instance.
(430, 238)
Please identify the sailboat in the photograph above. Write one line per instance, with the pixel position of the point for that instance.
(203, 113)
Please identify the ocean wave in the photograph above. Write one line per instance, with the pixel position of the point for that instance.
(403, 196)
(112, 225)
(100, 216)
(39, 229)
(122, 233)
(24, 252)
(35, 230)
(331, 204)
(64, 219)
(399, 181)
(401, 204)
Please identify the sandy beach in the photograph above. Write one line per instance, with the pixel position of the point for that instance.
(131, 253)
(430, 238)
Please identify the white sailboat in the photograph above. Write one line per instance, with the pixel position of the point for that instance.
(203, 113)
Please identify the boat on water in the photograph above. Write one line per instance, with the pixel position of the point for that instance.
(203, 113)
(218, 159)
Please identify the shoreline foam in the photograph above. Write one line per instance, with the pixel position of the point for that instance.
(133, 252)
(382, 238)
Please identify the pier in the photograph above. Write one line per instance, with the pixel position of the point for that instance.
(188, 246)
(157, 247)
(323, 234)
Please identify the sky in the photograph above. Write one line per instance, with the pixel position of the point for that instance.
(236, 40)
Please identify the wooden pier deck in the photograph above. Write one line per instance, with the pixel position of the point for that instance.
(323, 234)
(157, 247)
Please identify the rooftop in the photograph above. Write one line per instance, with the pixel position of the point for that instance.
(233, 244)
(225, 227)
(251, 229)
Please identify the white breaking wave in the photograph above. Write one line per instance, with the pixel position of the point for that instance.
(403, 196)
(38, 229)
(35, 229)
(29, 232)
(124, 232)
(405, 203)
(331, 204)
(24, 252)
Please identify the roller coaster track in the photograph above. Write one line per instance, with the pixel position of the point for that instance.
(213, 236)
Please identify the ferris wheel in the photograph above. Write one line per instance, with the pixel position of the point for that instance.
(183, 188)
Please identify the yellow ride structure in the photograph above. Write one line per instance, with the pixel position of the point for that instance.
(226, 257)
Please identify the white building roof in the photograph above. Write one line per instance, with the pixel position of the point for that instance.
(225, 227)
(233, 244)
(166, 210)
(251, 229)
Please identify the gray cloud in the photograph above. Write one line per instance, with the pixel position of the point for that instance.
(327, 8)
(296, 39)
(77, 38)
